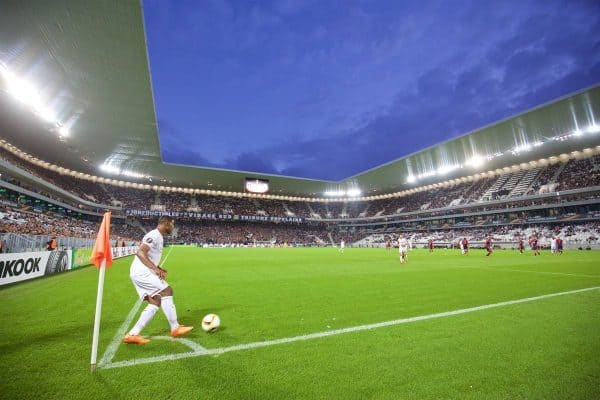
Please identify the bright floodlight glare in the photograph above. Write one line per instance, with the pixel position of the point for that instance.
(63, 131)
(523, 148)
(593, 129)
(426, 174)
(577, 132)
(46, 114)
(23, 91)
(475, 161)
(109, 169)
(353, 192)
(334, 193)
(6, 74)
(132, 174)
(447, 168)
(411, 179)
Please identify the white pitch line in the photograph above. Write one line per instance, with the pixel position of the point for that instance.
(112, 348)
(187, 342)
(529, 271)
(266, 343)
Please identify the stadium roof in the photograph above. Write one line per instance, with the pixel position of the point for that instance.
(75, 90)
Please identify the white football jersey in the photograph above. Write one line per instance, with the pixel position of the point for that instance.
(402, 242)
(154, 240)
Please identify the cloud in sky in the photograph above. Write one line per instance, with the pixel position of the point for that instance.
(328, 89)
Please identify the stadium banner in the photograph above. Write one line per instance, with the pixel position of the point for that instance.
(17, 267)
(118, 252)
(213, 216)
(81, 257)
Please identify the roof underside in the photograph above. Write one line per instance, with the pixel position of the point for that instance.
(89, 63)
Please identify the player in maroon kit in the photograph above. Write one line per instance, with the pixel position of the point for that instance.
(430, 245)
(520, 245)
(533, 242)
(559, 245)
(488, 246)
(465, 246)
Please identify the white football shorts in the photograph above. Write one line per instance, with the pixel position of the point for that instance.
(148, 284)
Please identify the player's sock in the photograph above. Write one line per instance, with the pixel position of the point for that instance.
(168, 308)
(145, 317)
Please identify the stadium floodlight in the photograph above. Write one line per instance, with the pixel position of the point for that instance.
(23, 91)
(354, 192)
(521, 149)
(593, 129)
(64, 131)
(334, 193)
(132, 174)
(426, 174)
(577, 132)
(447, 168)
(475, 161)
(109, 169)
(46, 114)
(411, 179)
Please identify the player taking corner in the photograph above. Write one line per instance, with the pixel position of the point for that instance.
(148, 278)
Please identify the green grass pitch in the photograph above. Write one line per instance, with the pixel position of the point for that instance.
(543, 349)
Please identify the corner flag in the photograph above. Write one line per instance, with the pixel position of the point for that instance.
(101, 258)
(102, 252)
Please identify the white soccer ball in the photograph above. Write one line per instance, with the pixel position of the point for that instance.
(211, 322)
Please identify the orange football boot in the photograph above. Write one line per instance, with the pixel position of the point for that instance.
(135, 339)
(181, 330)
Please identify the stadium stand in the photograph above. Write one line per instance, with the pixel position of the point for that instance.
(531, 193)
(587, 233)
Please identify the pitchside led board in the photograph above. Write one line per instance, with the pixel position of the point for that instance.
(255, 185)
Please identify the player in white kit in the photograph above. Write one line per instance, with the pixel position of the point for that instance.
(402, 248)
(342, 246)
(149, 281)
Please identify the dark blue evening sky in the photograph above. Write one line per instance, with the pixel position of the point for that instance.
(327, 89)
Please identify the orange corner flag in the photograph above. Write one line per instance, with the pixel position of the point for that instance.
(102, 250)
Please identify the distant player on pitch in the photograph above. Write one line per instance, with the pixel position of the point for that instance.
(403, 248)
(149, 281)
(520, 245)
(488, 246)
(559, 245)
(533, 242)
(464, 246)
(342, 246)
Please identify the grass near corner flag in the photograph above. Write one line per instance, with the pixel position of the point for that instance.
(102, 250)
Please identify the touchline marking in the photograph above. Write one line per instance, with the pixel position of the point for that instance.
(529, 271)
(112, 348)
(254, 345)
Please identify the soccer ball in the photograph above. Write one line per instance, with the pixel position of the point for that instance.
(211, 322)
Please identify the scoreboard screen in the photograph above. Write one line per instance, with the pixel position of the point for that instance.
(254, 185)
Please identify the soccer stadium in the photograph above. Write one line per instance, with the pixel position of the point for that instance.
(467, 268)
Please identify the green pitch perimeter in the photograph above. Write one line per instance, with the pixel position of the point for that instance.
(540, 349)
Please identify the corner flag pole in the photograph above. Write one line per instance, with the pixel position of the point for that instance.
(98, 315)
(102, 258)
